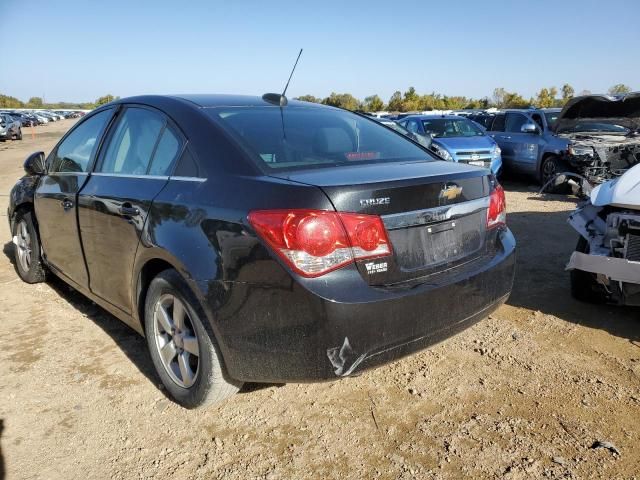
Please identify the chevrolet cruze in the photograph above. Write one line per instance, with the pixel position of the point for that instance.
(265, 241)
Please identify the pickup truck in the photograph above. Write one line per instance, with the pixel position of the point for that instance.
(528, 142)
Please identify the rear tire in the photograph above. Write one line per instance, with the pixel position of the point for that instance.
(26, 247)
(584, 286)
(182, 345)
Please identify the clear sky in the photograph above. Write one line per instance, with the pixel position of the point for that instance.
(80, 50)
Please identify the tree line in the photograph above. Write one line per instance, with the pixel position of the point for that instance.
(410, 100)
(7, 101)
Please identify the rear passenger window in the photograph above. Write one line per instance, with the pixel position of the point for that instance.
(166, 152)
(75, 152)
(187, 166)
(498, 124)
(514, 122)
(133, 142)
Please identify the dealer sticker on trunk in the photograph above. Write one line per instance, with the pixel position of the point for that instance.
(373, 267)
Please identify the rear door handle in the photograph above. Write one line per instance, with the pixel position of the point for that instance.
(127, 210)
(506, 137)
(66, 204)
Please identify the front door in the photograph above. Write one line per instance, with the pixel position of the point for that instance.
(112, 207)
(524, 146)
(55, 199)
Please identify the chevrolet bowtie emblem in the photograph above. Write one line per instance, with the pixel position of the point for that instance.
(450, 192)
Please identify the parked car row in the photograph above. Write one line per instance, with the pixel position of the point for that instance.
(594, 138)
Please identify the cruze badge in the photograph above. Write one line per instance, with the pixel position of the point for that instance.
(370, 202)
(450, 192)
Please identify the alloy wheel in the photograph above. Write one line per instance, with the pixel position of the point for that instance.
(176, 340)
(23, 245)
(548, 170)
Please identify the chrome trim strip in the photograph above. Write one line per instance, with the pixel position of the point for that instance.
(189, 179)
(125, 175)
(434, 215)
(66, 174)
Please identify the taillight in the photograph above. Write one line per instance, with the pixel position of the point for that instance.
(314, 242)
(497, 211)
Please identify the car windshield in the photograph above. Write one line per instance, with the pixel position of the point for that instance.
(589, 127)
(552, 118)
(451, 127)
(295, 138)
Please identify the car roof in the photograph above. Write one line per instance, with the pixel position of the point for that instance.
(434, 117)
(213, 100)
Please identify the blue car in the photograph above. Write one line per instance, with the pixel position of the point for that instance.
(457, 139)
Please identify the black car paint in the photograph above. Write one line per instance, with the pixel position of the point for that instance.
(270, 324)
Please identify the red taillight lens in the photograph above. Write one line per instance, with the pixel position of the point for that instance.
(497, 212)
(314, 242)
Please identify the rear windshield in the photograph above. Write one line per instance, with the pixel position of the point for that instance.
(296, 138)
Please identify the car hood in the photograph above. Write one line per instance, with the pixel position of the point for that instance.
(622, 110)
(465, 143)
(622, 192)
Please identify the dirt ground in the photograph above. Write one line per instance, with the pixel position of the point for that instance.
(523, 394)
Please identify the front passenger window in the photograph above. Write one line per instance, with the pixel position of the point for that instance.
(132, 144)
(75, 152)
(515, 121)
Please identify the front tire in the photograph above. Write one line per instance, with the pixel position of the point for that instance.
(552, 165)
(26, 247)
(19, 135)
(182, 345)
(584, 286)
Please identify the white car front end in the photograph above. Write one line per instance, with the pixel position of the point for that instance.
(609, 222)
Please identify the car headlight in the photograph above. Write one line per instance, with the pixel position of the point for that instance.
(442, 152)
(496, 151)
(580, 151)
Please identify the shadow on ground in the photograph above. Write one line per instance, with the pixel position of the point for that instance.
(545, 243)
(130, 342)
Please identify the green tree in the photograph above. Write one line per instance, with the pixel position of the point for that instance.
(373, 103)
(342, 100)
(105, 99)
(35, 102)
(10, 102)
(546, 97)
(410, 101)
(619, 89)
(395, 102)
(567, 93)
(504, 99)
(309, 98)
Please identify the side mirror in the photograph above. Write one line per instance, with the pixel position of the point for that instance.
(34, 164)
(529, 128)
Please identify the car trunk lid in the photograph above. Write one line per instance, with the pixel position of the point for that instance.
(434, 213)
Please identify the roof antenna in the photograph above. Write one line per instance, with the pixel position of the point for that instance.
(280, 99)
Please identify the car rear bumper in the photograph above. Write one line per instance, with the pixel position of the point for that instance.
(336, 326)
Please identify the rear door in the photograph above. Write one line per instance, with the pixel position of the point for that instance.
(56, 195)
(132, 169)
(497, 132)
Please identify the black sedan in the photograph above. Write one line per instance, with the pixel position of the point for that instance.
(262, 241)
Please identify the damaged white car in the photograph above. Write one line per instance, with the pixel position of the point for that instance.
(606, 264)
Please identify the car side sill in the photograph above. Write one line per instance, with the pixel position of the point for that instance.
(113, 310)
